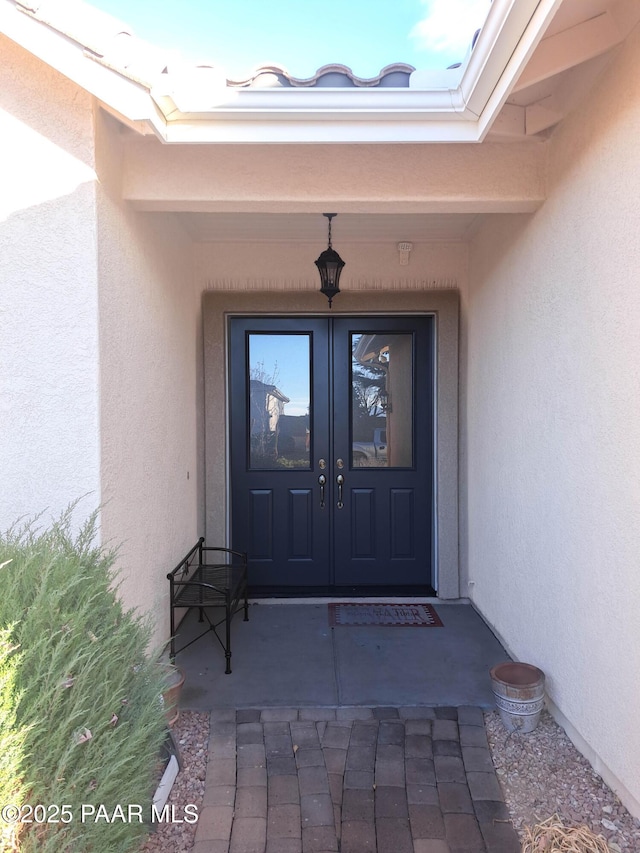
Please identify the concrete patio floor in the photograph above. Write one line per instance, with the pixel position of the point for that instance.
(287, 655)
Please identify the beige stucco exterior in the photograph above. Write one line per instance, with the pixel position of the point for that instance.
(150, 387)
(101, 343)
(113, 345)
(552, 315)
(48, 292)
(305, 178)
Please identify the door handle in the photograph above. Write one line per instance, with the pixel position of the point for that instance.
(340, 482)
(322, 480)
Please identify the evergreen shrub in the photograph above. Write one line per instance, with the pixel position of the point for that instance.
(81, 719)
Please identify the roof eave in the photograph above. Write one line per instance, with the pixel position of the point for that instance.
(461, 107)
(200, 108)
(123, 96)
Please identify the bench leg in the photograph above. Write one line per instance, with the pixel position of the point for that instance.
(172, 629)
(227, 646)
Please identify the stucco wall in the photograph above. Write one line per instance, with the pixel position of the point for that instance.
(406, 178)
(150, 351)
(49, 449)
(553, 315)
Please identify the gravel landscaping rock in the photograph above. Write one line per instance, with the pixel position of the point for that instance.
(542, 773)
(192, 736)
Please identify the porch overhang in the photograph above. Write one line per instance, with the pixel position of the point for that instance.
(196, 106)
(418, 179)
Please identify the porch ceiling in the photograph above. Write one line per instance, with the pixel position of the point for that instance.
(311, 228)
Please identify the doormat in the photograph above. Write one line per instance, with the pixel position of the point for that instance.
(386, 615)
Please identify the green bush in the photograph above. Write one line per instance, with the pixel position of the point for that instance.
(80, 714)
(12, 735)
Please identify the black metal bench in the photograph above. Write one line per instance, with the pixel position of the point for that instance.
(198, 581)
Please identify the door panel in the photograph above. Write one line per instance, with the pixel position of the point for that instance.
(279, 430)
(383, 389)
(301, 524)
(401, 524)
(363, 523)
(261, 523)
(348, 400)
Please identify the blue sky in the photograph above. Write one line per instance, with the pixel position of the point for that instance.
(366, 35)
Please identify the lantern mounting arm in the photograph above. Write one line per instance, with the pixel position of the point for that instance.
(330, 217)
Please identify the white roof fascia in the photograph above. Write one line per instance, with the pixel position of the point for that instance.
(262, 129)
(516, 62)
(504, 27)
(120, 94)
(310, 103)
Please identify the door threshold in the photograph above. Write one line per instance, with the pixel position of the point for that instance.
(351, 594)
(346, 599)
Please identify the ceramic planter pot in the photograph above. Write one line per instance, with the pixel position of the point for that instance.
(519, 693)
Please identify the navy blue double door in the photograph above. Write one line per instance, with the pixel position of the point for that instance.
(332, 452)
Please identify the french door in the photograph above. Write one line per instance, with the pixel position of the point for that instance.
(332, 451)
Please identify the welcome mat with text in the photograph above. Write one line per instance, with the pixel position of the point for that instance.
(386, 615)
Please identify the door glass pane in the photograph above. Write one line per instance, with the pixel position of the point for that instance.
(382, 400)
(279, 401)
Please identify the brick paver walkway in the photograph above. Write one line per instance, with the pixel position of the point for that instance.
(354, 780)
